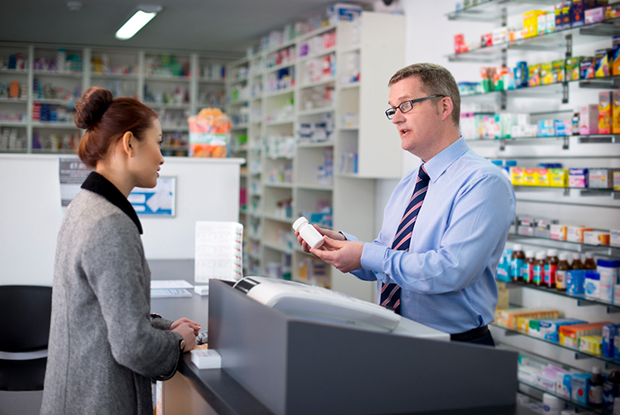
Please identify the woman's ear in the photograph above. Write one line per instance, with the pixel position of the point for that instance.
(128, 142)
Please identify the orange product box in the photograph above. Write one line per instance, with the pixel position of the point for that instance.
(604, 112)
(615, 112)
(575, 233)
(558, 177)
(516, 176)
(570, 334)
(529, 177)
(542, 177)
(14, 89)
(509, 318)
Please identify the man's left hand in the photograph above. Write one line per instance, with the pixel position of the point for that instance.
(344, 255)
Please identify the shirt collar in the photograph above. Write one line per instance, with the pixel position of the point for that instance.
(96, 183)
(438, 164)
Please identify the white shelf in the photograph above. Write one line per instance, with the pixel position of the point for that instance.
(13, 124)
(165, 78)
(314, 187)
(59, 74)
(315, 145)
(279, 92)
(320, 54)
(326, 81)
(317, 111)
(13, 100)
(279, 185)
(51, 124)
(114, 76)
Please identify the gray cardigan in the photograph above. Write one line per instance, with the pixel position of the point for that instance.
(103, 349)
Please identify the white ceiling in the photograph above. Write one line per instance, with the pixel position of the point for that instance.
(226, 27)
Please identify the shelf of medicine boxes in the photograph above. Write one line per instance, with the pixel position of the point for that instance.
(574, 191)
(564, 139)
(578, 354)
(605, 250)
(494, 9)
(554, 41)
(559, 90)
(582, 300)
(537, 392)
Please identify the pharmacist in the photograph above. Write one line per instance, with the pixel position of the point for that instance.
(446, 223)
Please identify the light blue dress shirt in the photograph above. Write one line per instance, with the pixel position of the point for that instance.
(448, 274)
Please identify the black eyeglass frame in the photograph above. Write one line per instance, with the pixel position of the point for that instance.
(411, 101)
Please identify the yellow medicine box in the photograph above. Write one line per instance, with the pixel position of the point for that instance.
(558, 177)
(529, 177)
(615, 112)
(542, 177)
(530, 22)
(516, 176)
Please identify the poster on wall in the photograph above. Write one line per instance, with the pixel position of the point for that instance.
(72, 173)
(156, 202)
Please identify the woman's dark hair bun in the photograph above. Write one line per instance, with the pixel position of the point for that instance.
(95, 102)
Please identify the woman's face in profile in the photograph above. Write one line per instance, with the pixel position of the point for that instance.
(147, 157)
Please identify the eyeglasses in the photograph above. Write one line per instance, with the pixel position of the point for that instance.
(407, 106)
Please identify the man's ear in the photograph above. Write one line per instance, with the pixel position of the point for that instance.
(127, 143)
(447, 106)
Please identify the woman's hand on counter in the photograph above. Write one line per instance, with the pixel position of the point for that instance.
(195, 326)
(187, 331)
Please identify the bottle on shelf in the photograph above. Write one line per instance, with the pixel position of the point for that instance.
(539, 268)
(611, 390)
(560, 274)
(528, 267)
(590, 263)
(576, 264)
(595, 397)
(551, 267)
(516, 262)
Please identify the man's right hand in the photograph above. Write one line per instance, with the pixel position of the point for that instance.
(327, 232)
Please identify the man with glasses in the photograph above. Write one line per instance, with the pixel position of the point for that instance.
(446, 223)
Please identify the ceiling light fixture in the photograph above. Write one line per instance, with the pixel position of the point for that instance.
(141, 17)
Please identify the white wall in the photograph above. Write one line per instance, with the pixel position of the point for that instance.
(207, 189)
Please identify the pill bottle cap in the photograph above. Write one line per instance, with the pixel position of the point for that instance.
(577, 256)
(606, 263)
(563, 256)
(596, 370)
(552, 252)
(589, 255)
(297, 224)
(529, 254)
(517, 247)
(540, 255)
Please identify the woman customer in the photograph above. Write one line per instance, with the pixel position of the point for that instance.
(105, 347)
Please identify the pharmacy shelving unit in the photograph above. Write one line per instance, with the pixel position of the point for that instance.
(126, 72)
(591, 207)
(284, 178)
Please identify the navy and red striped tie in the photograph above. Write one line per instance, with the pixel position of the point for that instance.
(390, 293)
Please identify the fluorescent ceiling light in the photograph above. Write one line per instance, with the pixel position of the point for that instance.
(137, 21)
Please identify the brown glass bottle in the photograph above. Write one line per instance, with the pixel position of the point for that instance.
(590, 263)
(551, 267)
(516, 263)
(576, 264)
(560, 274)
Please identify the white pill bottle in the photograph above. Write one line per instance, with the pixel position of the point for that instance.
(308, 233)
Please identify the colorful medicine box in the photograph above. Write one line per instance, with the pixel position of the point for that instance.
(616, 179)
(557, 232)
(530, 22)
(577, 13)
(615, 52)
(573, 68)
(529, 177)
(586, 68)
(558, 70)
(600, 178)
(615, 112)
(594, 15)
(578, 178)
(580, 387)
(558, 177)
(591, 345)
(567, 18)
(575, 233)
(609, 332)
(533, 78)
(542, 177)
(602, 60)
(516, 176)
(588, 119)
(604, 112)
(549, 329)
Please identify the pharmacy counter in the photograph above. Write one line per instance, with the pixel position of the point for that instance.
(214, 391)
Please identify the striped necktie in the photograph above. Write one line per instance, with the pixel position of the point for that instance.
(390, 293)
